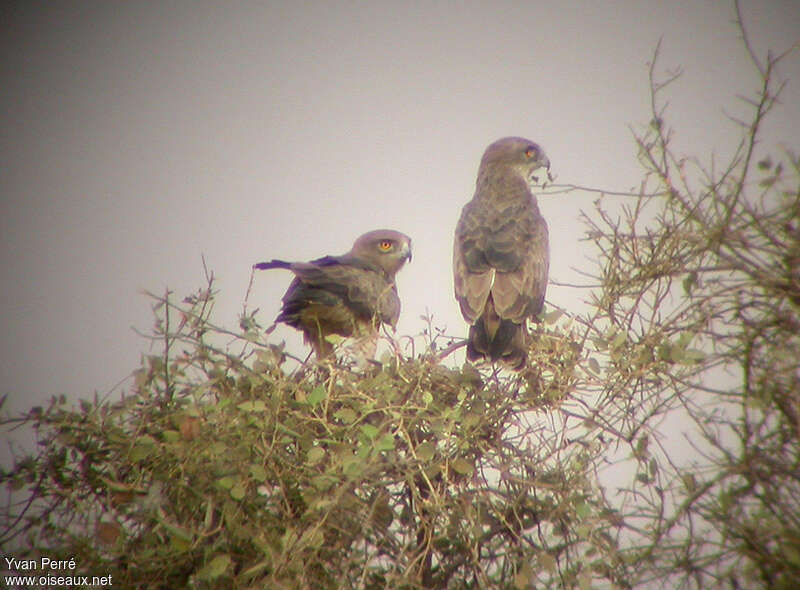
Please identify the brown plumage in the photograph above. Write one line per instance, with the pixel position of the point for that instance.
(348, 295)
(501, 254)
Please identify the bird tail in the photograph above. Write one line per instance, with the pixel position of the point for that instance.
(497, 339)
(273, 264)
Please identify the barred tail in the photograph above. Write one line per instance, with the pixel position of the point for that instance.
(272, 264)
(497, 340)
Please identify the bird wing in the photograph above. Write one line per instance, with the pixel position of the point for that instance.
(519, 293)
(348, 295)
(500, 250)
(473, 277)
(340, 282)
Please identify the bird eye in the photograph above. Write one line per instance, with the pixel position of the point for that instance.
(385, 245)
(531, 151)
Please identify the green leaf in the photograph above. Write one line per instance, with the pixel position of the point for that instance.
(258, 473)
(143, 448)
(791, 554)
(253, 571)
(315, 455)
(462, 466)
(425, 451)
(552, 317)
(238, 491)
(369, 431)
(317, 394)
(323, 482)
(382, 514)
(214, 568)
(346, 415)
(171, 436)
(312, 538)
(692, 356)
(385, 443)
(179, 544)
(620, 339)
(689, 282)
(252, 406)
(725, 499)
(676, 354)
(217, 448)
(364, 449)
(353, 466)
(176, 531)
(289, 537)
(522, 579)
(689, 482)
(547, 562)
(664, 351)
(146, 440)
(470, 419)
(685, 339)
(641, 447)
(226, 482)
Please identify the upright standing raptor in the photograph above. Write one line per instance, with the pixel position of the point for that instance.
(501, 255)
(347, 295)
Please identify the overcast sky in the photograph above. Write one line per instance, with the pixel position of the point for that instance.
(137, 136)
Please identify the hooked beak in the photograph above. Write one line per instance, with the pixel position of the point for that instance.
(544, 163)
(406, 251)
(549, 176)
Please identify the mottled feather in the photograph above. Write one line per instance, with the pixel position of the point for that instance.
(501, 252)
(348, 295)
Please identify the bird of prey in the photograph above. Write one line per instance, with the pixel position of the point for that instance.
(348, 295)
(501, 254)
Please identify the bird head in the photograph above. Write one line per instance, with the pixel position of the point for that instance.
(386, 248)
(520, 155)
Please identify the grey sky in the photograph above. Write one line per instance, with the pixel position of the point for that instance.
(135, 137)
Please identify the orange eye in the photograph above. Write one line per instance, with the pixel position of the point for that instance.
(385, 245)
(531, 152)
